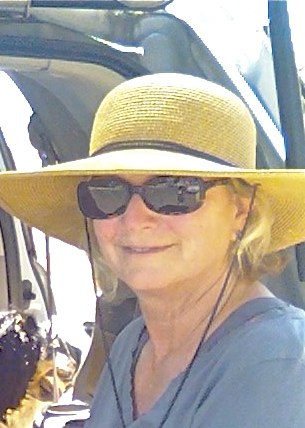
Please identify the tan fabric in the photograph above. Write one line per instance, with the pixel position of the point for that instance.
(191, 111)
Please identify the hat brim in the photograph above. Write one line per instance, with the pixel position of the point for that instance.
(47, 199)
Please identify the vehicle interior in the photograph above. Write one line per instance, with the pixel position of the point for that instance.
(65, 56)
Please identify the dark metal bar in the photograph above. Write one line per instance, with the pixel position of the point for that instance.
(90, 4)
(287, 84)
(79, 4)
(289, 97)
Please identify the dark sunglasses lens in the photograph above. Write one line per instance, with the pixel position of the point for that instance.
(173, 195)
(104, 198)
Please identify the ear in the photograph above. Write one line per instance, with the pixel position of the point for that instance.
(242, 210)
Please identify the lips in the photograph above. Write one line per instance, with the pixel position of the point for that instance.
(134, 249)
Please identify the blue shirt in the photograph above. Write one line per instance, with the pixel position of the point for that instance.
(250, 373)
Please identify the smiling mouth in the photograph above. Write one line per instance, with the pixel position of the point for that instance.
(145, 250)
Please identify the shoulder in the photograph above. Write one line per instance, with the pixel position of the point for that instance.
(257, 371)
(280, 332)
(277, 333)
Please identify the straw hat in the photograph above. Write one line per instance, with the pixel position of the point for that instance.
(159, 124)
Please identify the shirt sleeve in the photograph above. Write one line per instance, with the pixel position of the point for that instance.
(270, 394)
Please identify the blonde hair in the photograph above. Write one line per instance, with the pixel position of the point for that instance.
(105, 281)
(252, 250)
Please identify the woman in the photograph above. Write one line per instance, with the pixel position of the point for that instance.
(171, 204)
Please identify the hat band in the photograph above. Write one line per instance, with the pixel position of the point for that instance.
(161, 145)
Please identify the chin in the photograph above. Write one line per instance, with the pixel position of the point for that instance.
(139, 285)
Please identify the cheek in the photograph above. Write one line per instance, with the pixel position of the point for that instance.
(105, 232)
(209, 230)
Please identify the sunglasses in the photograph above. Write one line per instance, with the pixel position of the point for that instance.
(106, 197)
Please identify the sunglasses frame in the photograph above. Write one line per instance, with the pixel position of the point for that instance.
(92, 212)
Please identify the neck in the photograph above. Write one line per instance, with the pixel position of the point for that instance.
(177, 319)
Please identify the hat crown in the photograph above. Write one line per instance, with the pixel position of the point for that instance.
(179, 109)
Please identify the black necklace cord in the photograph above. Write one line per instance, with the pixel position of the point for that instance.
(104, 338)
(214, 310)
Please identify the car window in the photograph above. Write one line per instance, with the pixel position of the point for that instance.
(71, 281)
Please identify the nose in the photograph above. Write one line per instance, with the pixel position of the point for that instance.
(137, 213)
